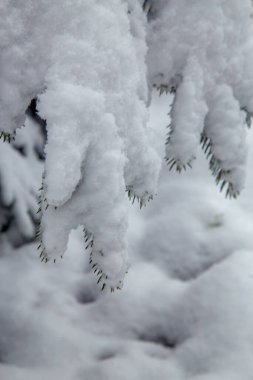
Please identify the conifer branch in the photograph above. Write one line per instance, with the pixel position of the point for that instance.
(217, 171)
(142, 200)
(103, 278)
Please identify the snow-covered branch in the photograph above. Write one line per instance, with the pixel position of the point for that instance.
(92, 66)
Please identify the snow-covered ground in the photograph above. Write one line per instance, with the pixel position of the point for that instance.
(185, 311)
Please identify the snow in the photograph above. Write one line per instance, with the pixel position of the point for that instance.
(92, 92)
(210, 69)
(20, 173)
(92, 66)
(91, 81)
(184, 312)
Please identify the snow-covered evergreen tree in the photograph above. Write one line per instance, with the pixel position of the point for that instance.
(93, 65)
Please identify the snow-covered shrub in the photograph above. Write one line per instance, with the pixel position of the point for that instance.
(20, 174)
(92, 65)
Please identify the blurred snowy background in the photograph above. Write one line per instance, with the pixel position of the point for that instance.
(185, 311)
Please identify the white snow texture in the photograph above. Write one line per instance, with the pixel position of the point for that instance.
(185, 312)
(204, 50)
(91, 64)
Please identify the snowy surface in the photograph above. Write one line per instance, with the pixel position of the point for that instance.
(185, 311)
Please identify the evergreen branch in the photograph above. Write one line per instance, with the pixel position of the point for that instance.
(7, 136)
(165, 88)
(248, 116)
(103, 278)
(217, 171)
(174, 162)
(43, 205)
(142, 200)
